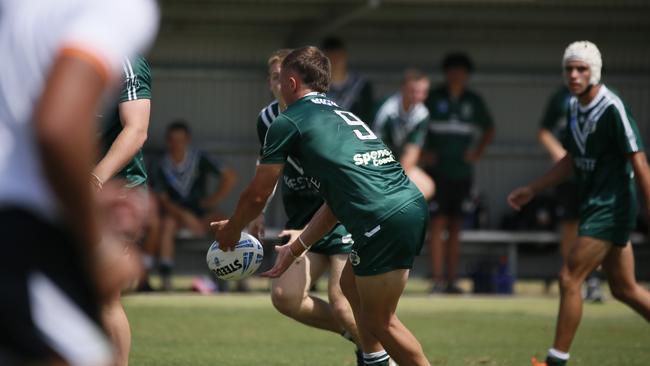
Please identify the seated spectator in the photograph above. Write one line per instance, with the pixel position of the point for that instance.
(402, 122)
(180, 181)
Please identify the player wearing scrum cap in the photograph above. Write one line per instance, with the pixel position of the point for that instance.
(604, 152)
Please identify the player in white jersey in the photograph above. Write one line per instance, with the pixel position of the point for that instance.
(58, 59)
(402, 123)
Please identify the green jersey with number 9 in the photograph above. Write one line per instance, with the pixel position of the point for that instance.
(357, 175)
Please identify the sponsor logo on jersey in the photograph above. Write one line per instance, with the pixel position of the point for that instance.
(376, 158)
(314, 182)
(585, 164)
(354, 258)
(323, 101)
(299, 183)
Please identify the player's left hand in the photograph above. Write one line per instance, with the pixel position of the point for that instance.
(226, 237)
(283, 261)
(520, 197)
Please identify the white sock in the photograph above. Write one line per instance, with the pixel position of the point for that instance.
(558, 354)
(375, 357)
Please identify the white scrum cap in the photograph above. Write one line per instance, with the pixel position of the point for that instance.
(588, 53)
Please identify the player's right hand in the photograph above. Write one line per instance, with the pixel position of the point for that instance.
(520, 197)
(283, 261)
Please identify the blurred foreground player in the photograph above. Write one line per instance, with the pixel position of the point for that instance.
(605, 153)
(363, 187)
(57, 61)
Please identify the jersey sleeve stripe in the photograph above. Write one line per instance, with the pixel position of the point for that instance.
(132, 77)
(265, 119)
(629, 131)
(88, 57)
(269, 115)
(274, 109)
(126, 77)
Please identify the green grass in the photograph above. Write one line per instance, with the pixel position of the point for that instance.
(228, 330)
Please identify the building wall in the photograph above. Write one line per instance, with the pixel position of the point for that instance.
(213, 75)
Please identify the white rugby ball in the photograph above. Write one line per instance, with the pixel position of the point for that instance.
(238, 263)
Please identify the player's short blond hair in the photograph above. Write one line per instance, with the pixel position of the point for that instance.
(413, 74)
(278, 56)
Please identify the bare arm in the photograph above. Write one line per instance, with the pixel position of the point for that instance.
(134, 116)
(65, 131)
(642, 174)
(560, 172)
(250, 205)
(486, 139)
(410, 156)
(551, 144)
(320, 224)
(227, 182)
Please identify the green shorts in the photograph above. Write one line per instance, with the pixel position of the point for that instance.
(393, 243)
(617, 235)
(337, 241)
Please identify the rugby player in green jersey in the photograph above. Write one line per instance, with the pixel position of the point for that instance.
(551, 133)
(123, 132)
(290, 292)
(364, 188)
(402, 122)
(604, 152)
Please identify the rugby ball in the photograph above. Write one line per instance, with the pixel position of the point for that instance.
(238, 263)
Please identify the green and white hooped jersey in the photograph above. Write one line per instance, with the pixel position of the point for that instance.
(353, 170)
(600, 139)
(397, 127)
(136, 86)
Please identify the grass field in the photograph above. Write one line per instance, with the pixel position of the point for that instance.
(228, 330)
